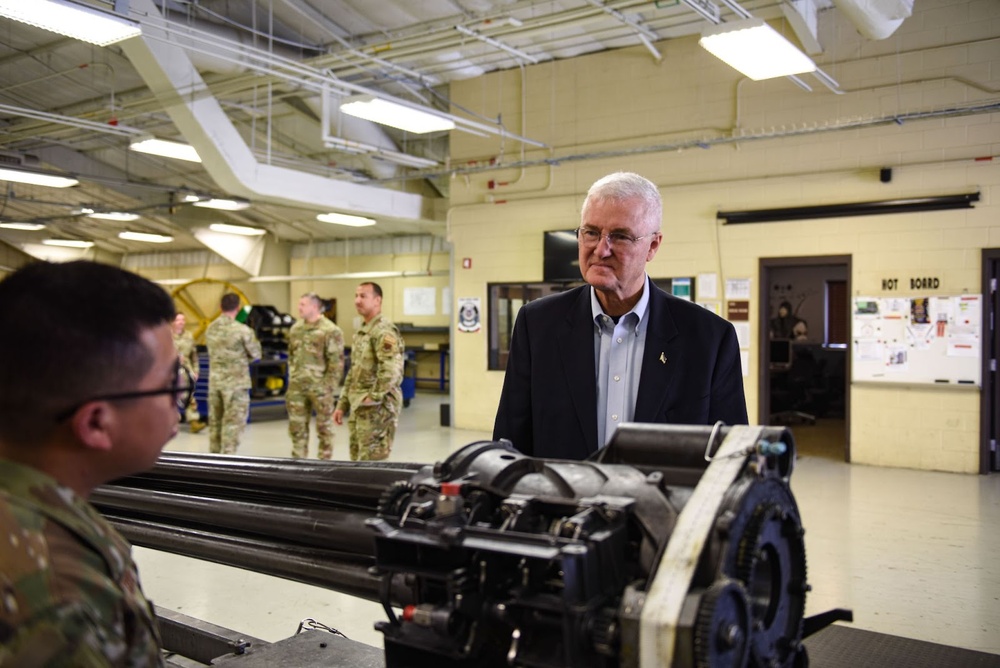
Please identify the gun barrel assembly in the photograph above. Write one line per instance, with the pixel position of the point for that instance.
(674, 546)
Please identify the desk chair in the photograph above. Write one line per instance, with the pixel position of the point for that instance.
(794, 385)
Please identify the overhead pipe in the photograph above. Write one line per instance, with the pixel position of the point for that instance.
(734, 139)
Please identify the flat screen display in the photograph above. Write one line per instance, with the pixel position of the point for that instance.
(560, 259)
(781, 352)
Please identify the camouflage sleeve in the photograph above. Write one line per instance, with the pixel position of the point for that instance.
(251, 345)
(389, 365)
(192, 356)
(293, 340)
(71, 636)
(335, 358)
(344, 403)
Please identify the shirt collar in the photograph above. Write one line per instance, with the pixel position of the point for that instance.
(640, 308)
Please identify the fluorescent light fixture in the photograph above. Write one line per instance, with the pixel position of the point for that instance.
(395, 115)
(30, 227)
(192, 198)
(345, 219)
(87, 24)
(68, 243)
(117, 216)
(165, 148)
(223, 204)
(237, 229)
(145, 236)
(755, 49)
(37, 178)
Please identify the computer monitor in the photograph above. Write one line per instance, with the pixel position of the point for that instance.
(781, 353)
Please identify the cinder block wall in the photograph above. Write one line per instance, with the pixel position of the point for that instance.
(766, 144)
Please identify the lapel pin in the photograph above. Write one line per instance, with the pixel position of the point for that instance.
(663, 358)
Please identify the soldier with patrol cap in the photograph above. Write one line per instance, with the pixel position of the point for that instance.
(372, 390)
(315, 367)
(231, 347)
(187, 353)
(90, 390)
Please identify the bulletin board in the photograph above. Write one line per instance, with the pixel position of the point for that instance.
(926, 340)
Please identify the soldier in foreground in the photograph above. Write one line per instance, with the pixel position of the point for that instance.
(92, 394)
(231, 347)
(315, 367)
(187, 353)
(372, 390)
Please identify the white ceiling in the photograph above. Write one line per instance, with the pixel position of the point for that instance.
(73, 106)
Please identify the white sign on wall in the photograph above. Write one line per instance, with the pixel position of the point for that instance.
(419, 301)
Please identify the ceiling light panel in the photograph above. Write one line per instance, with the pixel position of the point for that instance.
(345, 219)
(395, 115)
(237, 229)
(87, 24)
(165, 148)
(117, 216)
(68, 243)
(146, 237)
(755, 49)
(223, 204)
(28, 227)
(37, 178)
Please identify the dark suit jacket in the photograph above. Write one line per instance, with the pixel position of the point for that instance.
(549, 399)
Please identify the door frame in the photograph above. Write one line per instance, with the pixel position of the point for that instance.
(765, 265)
(989, 390)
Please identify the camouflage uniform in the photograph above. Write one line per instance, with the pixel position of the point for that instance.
(70, 590)
(188, 353)
(315, 367)
(377, 373)
(231, 347)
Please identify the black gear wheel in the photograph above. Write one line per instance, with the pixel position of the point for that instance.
(771, 564)
(722, 626)
(390, 503)
(605, 633)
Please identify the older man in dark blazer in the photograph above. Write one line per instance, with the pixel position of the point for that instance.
(618, 349)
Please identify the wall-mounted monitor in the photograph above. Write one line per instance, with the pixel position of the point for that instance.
(560, 257)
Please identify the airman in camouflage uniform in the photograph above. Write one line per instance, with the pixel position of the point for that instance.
(71, 594)
(92, 395)
(188, 355)
(372, 390)
(231, 347)
(315, 367)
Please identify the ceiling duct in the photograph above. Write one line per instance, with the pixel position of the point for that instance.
(168, 71)
(17, 159)
(876, 19)
(352, 129)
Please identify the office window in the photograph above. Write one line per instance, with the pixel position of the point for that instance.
(505, 300)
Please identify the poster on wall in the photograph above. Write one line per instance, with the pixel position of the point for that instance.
(469, 314)
(934, 340)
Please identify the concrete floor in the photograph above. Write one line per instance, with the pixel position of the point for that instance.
(913, 553)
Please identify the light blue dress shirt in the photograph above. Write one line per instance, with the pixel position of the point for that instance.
(618, 349)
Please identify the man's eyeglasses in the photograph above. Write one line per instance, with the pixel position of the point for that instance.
(588, 236)
(182, 388)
